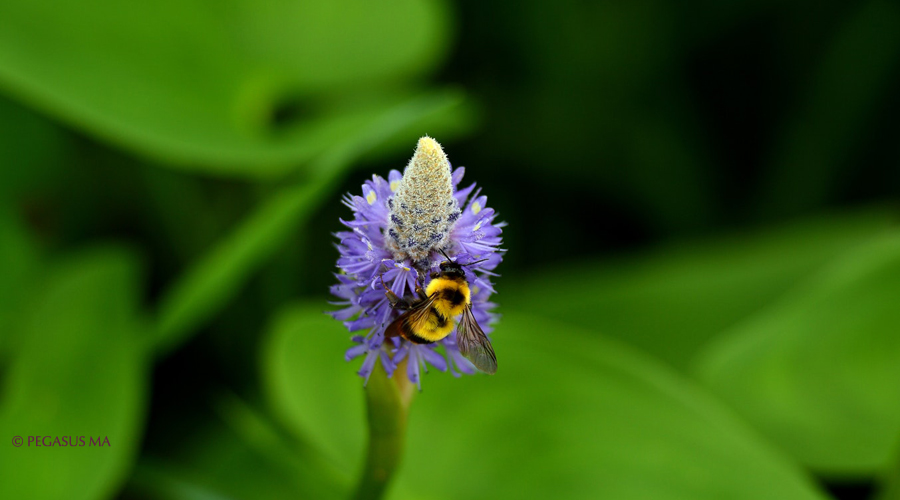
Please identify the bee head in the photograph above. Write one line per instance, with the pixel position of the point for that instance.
(450, 267)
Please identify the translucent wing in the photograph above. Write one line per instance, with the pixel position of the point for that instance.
(474, 344)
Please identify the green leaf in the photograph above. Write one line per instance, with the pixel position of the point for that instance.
(212, 281)
(309, 386)
(670, 301)
(316, 476)
(19, 268)
(568, 415)
(80, 373)
(889, 489)
(240, 455)
(32, 150)
(819, 372)
(235, 87)
(217, 276)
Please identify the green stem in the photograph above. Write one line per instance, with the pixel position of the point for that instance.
(388, 401)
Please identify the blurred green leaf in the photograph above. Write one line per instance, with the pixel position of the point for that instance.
(670, 301)
(19, 267)
(79, 372)
(309, 386)
(240, 455)
(314, 475)
(215, 279)
(853, 77)
(238, 474)
(31, 149)
(185, 218)
(567, 416)
(889, 487)
(154, 480)
(212, 281)
(819, 372)
(235, 87)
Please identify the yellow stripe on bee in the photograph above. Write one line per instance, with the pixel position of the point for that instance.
(447, 286)
(431, 327)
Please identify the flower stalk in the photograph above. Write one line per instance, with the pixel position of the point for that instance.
(387, 402)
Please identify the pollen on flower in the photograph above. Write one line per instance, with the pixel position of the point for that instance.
(423, 207)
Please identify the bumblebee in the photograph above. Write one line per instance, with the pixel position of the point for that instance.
(428, 316)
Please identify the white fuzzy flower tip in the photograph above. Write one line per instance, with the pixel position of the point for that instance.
(423, 208)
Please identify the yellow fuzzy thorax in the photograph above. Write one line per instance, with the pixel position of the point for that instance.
(444, 286)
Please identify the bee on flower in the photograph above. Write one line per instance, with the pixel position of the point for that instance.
(416, 263)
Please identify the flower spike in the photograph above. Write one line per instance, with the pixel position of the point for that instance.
(402, 229)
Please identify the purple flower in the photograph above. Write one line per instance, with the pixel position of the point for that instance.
(400, 228)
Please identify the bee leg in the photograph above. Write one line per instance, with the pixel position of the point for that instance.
(419, 291)
(396, 302)
(391, 296)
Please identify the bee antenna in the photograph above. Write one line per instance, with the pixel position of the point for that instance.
(476, 262)
(445, 254)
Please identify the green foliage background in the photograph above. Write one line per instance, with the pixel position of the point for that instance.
(700, 297)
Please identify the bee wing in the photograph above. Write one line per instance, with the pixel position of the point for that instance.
(474, 344)
(417, 314)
